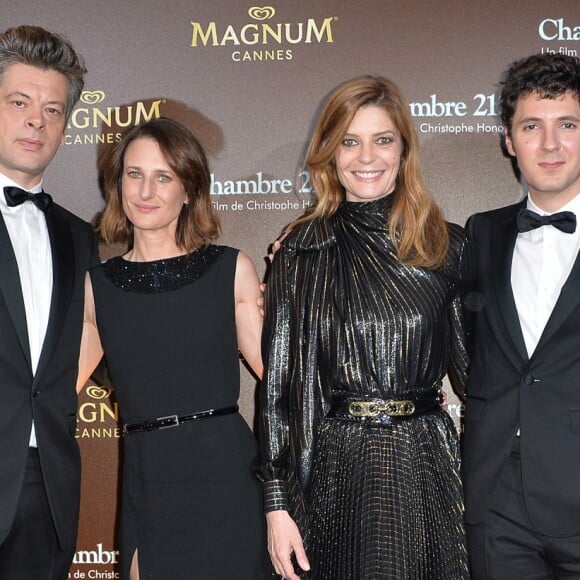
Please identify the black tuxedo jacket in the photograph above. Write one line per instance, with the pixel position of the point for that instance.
(507, 389)
(49, 397)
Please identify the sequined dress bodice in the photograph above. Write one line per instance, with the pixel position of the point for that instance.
(160, 275)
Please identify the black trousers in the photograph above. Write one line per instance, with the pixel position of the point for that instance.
(507, 546)
(31, 550)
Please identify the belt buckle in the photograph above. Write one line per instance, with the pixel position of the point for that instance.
(403, 408)
(364, 409)
(173, 418)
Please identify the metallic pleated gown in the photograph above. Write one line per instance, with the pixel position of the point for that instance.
(344, 317)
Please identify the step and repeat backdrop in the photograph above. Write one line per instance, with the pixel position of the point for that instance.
(248, 80)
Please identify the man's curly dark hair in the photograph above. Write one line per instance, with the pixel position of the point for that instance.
(548, 75)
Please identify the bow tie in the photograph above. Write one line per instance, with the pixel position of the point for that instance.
(528, 220)
(16, 196)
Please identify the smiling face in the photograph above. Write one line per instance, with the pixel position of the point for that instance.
(369, 156)
(32, 121)
(545, 139)
(152, 194)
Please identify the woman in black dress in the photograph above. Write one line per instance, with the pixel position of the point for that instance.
(360, 463)
(171, 315)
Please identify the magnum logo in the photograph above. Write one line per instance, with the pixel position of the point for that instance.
(98, 416)
(98, 393)
(92, 123)
(92, 97)
(261, 13)
(267, 35)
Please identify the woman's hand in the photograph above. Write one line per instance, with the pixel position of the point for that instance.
(444, 404)
(274, 247)
(283, 540)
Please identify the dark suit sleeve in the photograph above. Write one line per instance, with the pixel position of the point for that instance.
(94, 259)
(100, 375)
(470, 294)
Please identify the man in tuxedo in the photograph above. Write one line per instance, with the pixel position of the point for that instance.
(45, 252)
(522, 424)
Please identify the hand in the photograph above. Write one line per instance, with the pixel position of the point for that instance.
(283, 540)
(273, 249)
(260, 299)
(444, 404)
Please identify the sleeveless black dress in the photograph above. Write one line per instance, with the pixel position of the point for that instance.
(190, 505)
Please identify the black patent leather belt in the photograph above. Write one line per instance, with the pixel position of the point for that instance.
(176, 420)
(383, 411)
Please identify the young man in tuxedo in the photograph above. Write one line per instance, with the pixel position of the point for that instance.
(522, 424)
(45, 252)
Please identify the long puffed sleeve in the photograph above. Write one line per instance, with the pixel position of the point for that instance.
(293, 396)
(277, 356)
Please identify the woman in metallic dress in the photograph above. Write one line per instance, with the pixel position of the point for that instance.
(360, 463)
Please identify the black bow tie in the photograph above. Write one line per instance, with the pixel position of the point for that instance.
(16, 196)
(528, 220)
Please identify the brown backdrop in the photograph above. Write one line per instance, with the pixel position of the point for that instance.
(248, 80)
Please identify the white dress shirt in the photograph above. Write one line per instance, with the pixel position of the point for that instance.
(542, 261)
(26, 225)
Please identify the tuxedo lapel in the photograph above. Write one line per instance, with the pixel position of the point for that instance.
(63, 257)
(503, 240)
(11, 289)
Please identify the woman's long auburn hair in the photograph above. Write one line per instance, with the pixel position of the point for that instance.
(197, 224)
(416, 223)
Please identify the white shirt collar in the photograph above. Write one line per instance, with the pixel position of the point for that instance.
(573, 205)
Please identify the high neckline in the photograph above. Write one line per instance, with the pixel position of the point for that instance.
(379, 206)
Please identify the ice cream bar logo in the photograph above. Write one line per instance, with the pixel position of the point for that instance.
(264, 37)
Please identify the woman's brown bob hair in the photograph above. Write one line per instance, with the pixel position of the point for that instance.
(198, 224)
(416, 223)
